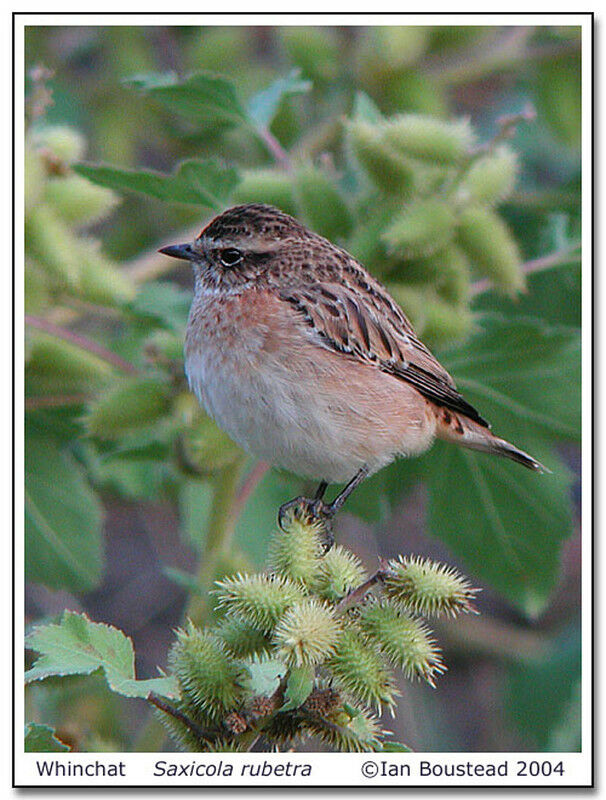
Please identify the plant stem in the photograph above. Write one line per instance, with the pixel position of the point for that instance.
(220, 531)
(163, 705)
(279, 154)
(83, 342)
(529, 267)
(54, 401)
(249, 484)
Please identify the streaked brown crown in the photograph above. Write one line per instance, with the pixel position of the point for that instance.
(251, 221)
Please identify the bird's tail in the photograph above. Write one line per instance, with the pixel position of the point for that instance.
(463, 431)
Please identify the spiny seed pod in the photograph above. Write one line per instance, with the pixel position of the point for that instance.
(445, 322)
(399, 45)
(488, 242)
(54, 246)
(447, 270)
(389, 171)
(428, 139)
(79, 201)
(307, 633)
(267, 186)
(365, 242)
(423, 586)
(129, 404)
(323, 701)
(314, 49)
(206, 447)
(34, 177)
(559, 97)
(322, 203)
(412, 90)
(261, 706)
(406, 641)
(295, 553)
(235, 723)
(164, 346)
(64, 143)
(259, 600)
(56, 366)
(36, 287)
(423, 227)
(413, 302)
(208, 46)
(207, 675)
(358, 734)
(181, 733)
(100, 280)
(242, 639)
(340, 571)
(359, 669)
(490, 179)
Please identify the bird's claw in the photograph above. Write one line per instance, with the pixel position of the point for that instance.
(309, 511)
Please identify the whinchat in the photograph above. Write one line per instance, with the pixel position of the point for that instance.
(307, 362)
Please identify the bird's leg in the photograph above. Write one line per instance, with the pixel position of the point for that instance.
(316, 510)
(321, 490)
(340, 499)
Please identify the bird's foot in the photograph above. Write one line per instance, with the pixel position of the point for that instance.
(309, 511)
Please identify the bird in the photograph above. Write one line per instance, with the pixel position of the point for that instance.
(308, 363)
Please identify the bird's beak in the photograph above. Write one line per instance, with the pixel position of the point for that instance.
(184, 251)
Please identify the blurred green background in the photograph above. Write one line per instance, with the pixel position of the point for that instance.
(123, 470)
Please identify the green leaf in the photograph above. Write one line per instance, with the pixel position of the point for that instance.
(42, 739)
(262, 107)
(298, 687)
(507, 523)
(77, 646)
(63, 538)
(201, 97)
(164, 303)
(393, 747)
(265, 676)
(541, 696)
(523, 376)
(366, 109)
(379, 494)
(203, 182)
(553, 295)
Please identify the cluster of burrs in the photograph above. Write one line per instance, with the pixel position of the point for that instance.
(308, 649)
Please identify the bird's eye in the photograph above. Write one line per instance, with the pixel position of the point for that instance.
(230, 257)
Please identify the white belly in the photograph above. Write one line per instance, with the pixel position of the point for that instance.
(296, 405)
(273, 416)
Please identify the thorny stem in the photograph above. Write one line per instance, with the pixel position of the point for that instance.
(529, 267)
(83, 342)
(163, 705)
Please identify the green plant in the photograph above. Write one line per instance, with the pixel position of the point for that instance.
(302, 650)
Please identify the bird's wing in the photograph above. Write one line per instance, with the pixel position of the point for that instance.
(364, 322)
